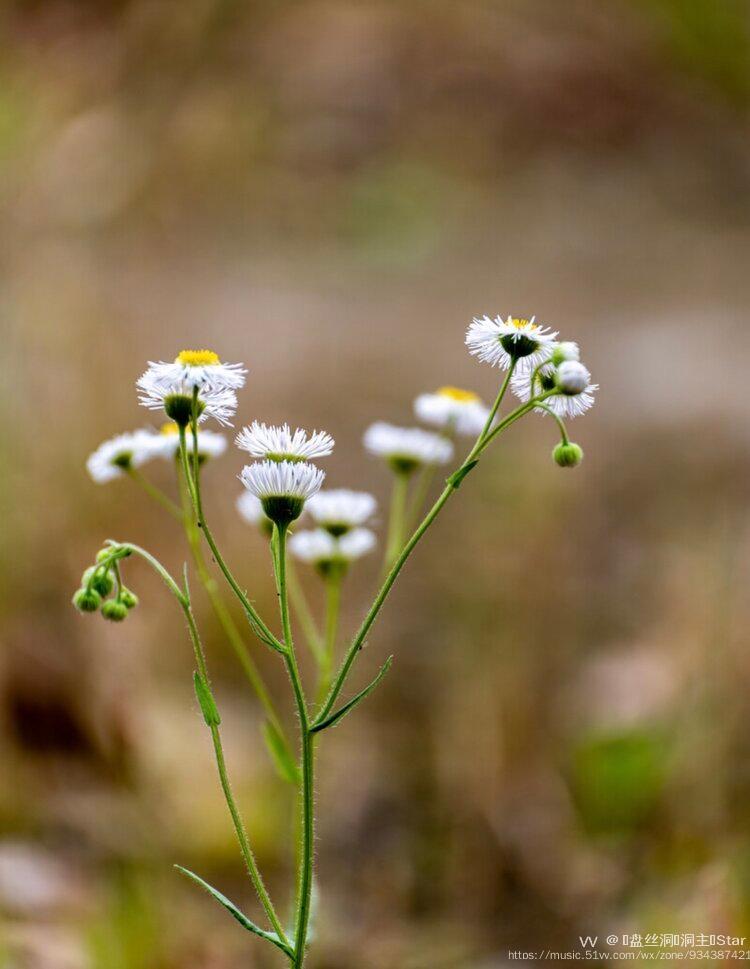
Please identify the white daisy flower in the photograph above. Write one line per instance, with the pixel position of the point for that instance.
(112, 458)
(356, 543)
(453, 409)
(501, 342)
(176, 400)
(313, 546)
(279, 443)
(166, 443)
(406, 448)
(339, 510)
(323, 550)
(282, 486)
(564, 405)
(199, 368)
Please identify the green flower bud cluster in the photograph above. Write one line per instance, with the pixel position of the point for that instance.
(102, 589)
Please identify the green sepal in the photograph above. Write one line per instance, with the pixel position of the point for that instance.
(348, 707)
(206, 701)
(244, 921)
(458, 476)
(280, 754)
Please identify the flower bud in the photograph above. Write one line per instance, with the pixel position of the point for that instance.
(572, 377)
(87, 600)
(114, 610)
(567, 455)
(99, 579)
(104, 553)
(565, 351)
(128, 599)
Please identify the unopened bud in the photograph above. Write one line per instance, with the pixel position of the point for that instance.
(114, 611)
(128, 599)
(87, 600)
(567, 455)
(572, 377)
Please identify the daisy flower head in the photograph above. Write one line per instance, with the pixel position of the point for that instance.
(178, 399)
(115, 456)
(274, 443)
(503, 343)
(406, 448)
(199, 369)
(452, 409)
(283, 487)
(326, 552)
(566, 404)
(166, 443)
(339, 511)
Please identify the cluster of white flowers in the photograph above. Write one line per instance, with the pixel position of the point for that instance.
(339, 537)
(115, 457)
(318, 547)
(283, 478)
(197, 381)
(541, 364)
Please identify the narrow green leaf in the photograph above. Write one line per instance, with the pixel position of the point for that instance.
(280, 753)
(458, 476)
(206, 701)
(236, 913)
(348, 707)
(271, 643)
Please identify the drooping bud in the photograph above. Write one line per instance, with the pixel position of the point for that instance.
(114, 610)
(128, 598)
(572, 378)
(87, 600)
(567, 455)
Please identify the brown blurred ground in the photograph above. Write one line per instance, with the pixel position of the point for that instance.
(329, 192)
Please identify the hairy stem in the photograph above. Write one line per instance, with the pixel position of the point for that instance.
(195, 494)
(183, 599)
(224, 616)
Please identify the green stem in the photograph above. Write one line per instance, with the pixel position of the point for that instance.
(301, 607)
(183, 599)
(305, 861)
(333, 611)
(421, 490)
(396, 518)
(154, 492)
(225, 619)
(558, 419)
(195, 494)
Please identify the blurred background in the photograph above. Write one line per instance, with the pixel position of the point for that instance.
(329, 191)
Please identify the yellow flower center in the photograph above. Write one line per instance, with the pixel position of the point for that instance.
(460, 396)
(523, 324)
(198, 358)
(169, 428)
